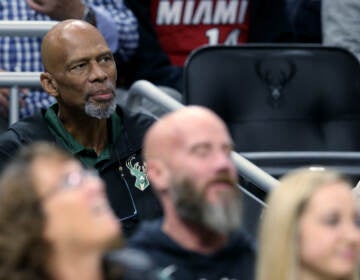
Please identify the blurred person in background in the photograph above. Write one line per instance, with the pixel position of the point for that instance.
(170, 30)
(55, 220)
(56, 223)
(310, 229)
(188, 157)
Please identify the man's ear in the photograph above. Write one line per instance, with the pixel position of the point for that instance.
(49, 84)
(158, 175)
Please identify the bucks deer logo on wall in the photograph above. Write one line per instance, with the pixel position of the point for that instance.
(139, 172)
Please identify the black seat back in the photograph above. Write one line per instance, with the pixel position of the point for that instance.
(280, 97)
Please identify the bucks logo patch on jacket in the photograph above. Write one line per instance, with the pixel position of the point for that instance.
(138, 170)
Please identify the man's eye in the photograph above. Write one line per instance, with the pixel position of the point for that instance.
(106, 58)
(78, 67)
(201, 151)
(228, 150)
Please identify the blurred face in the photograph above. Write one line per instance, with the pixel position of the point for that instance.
(203, 177)
(76, 211)
(85, 73)
(329, 233)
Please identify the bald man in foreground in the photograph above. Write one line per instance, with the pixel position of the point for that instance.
(80, 73)
(188, 160)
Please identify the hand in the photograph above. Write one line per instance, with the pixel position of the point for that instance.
(5, 100)
(59, 9)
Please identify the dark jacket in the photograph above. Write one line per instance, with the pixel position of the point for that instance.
(120, 184)
(235, 261)
(305, 19)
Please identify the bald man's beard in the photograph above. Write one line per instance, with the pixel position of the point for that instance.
(222, 217)
(100, 110)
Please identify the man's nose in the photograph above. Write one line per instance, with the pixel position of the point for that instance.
(97, 73)
(223, 161)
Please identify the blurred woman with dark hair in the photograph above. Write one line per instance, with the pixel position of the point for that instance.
(55, 221)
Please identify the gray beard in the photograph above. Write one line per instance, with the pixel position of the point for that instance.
(100, 110)
(223, 217)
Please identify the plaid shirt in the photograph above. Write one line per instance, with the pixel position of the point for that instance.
(22, 54)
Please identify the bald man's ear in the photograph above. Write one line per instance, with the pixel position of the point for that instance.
(49, 84)
(158, 175)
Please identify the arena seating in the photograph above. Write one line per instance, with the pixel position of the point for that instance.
(285, 105)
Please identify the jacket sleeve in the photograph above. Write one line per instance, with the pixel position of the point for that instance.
(341, 24)
(9, 145)
(269, 22)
